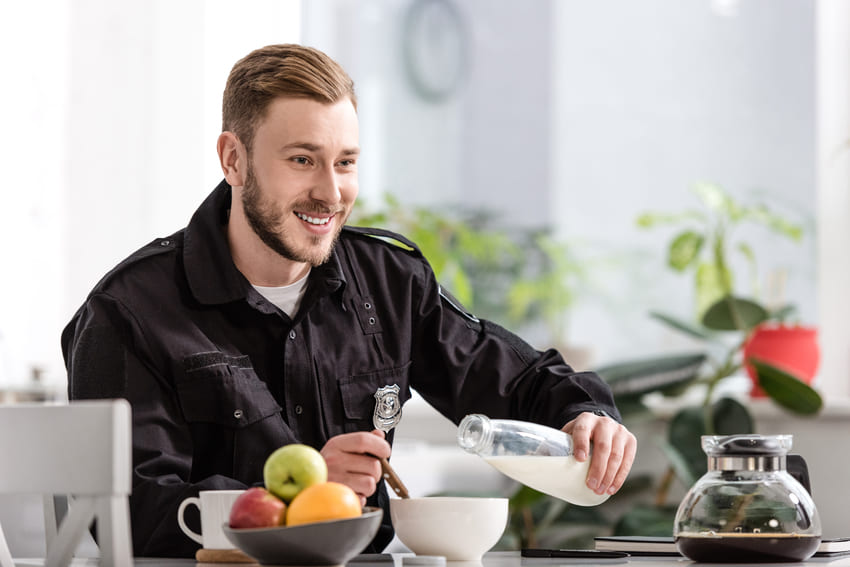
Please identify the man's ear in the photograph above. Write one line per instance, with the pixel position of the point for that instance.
(233, 158)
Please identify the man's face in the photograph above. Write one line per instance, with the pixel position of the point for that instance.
(301, 180)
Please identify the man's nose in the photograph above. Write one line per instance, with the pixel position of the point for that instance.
(327, 186)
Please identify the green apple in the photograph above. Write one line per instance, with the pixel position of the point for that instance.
(292, 468)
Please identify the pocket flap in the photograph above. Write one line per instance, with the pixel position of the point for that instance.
(224, 390)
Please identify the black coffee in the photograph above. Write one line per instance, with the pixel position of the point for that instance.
(747, 548)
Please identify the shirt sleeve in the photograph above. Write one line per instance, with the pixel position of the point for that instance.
(101, 364)
(471, 365)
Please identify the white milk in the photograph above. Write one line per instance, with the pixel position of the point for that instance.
(561, 477)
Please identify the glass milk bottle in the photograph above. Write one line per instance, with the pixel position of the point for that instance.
(538, 456)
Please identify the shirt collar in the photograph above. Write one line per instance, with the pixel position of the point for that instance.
(210, 271)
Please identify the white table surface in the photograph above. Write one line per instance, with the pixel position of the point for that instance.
(492, 559)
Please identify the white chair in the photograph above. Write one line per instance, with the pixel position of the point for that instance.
(81, 449)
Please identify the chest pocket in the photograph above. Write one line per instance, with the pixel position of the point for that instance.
(223, 390)
(358, 394)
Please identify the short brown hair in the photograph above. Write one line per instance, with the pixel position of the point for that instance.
(273, 71)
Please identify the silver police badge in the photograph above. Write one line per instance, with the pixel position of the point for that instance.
(387, 408)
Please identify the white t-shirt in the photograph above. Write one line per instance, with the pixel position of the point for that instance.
(288, 297)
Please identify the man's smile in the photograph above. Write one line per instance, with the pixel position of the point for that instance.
(314, 220)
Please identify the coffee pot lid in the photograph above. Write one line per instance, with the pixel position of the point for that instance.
(746, 452)
(746, 445)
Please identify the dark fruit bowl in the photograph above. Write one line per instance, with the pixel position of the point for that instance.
(333, 542)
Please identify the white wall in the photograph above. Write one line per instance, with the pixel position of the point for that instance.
(33, 110)
(655, 96)
(111, 112)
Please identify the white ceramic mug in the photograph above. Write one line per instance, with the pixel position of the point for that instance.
(215, 511)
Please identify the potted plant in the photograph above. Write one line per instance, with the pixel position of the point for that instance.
(704, 247)
(730, 327)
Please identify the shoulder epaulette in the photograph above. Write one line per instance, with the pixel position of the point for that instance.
(384, 235)
(153, 248)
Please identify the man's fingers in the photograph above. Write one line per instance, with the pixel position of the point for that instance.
(599, 461)
(352, 459)
(363, 484)
(580, 429)
(619, 462)
(613, 450)
(612, 467)
(625, 466)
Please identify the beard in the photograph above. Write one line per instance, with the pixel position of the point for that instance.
(267, 223)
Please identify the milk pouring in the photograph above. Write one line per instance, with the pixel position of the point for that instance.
(539, 457)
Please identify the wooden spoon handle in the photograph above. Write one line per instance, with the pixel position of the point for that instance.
(393, 480)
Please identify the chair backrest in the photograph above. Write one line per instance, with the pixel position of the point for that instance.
(81, 449)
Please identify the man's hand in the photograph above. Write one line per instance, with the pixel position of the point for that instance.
(614, 449)
(351, 460)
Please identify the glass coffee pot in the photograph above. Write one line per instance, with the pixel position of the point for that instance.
(747, 507)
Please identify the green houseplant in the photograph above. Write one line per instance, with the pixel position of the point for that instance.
(510, 275)
(726, 321)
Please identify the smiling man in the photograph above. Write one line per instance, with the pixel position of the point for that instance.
(266, 322)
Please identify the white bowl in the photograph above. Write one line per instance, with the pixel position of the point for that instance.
(458, 528)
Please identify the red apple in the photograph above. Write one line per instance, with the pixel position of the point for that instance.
(257, 508)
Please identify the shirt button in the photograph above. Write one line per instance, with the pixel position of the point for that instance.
(371, 320)
(299, 410)
(165, 243)
(367, 305)
(237, 414)
(292, 334)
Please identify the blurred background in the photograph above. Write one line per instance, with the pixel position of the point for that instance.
(561, 118)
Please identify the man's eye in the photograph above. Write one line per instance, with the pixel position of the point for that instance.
(346, 163)
(301, 160)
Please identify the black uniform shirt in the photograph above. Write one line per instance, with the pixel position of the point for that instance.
(218, 377)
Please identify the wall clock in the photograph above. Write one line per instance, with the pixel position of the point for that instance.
(435, 48)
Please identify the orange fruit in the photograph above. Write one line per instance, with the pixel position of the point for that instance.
(323, 501)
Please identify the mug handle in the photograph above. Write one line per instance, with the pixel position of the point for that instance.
(186, 529)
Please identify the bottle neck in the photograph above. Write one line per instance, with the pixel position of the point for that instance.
(475, 433)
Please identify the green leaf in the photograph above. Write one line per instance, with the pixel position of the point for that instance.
(462, 289)
(651, 220)
(731, 417)
(647, 521)
(783, 313)
(734, 314)
(632, 408)
(687, 470)
(709, 284)
(525, 496)
(776, 223)
(678, 324)
(636, 484)
(633, 379)
(786, 389)
(683, 447)
(684, 250)
(747, 251)
(716, 199)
